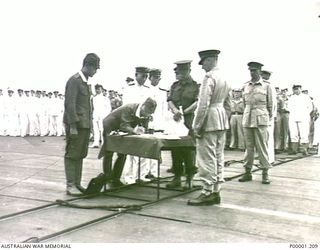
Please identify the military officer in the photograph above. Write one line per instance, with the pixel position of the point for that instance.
(130, 118)
(258, 113)
(300, 108)
(137, 90)
(134, 94)
(182, 101)
(78, 122)
(237, 108)
(210, 124)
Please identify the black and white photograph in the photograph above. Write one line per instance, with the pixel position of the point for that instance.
(149, 121)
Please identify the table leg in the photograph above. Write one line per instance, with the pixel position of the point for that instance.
(139, 168)
(158, 181)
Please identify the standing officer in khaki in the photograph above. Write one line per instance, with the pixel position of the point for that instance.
(210, 124)
(258, 113)
(78, 122)
(236, 129)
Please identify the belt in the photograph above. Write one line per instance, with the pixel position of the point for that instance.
(237, 113)
(216, 105)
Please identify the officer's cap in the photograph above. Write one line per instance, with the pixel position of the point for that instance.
(56, 91)
(155, 72)
(92, 59)
(183, 65)
(304, 91)
(10, 90)
(296, 86)
(144, 70)
(267, 72)
(27, 91)
(255, 65)
(50, 93)
(20, 90)
(207, 53)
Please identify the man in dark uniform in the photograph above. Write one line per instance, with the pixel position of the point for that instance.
(182, 101)
(131, 118)
(78, 122)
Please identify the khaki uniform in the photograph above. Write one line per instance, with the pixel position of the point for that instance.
(237, 108)
(211, 122)
(258, 112)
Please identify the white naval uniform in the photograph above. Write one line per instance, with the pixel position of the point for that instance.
(23, 121)
(300, 107)
(11, 116)
(101, 108)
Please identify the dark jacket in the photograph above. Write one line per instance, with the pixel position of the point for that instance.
(124, 119)
(77, 103)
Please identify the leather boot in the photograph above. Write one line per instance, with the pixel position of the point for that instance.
(247, 176)
(203, 200)
(176, 182)
(265, 177)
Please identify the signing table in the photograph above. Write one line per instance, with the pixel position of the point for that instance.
(148, 146)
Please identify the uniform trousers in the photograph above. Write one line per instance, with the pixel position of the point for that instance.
(210, 159)
(299, 130)
(256, 139)
(183, 162)
(76, 151)
(236, 129)
(285, 130)
(278, 132)
(270, 142)
(97, 131)
(115, 172)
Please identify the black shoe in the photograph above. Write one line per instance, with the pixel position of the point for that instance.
(204, 200)
(246, 177)
(170, 170)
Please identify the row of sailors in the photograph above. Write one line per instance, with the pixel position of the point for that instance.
(33, 113)
(37, 113)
